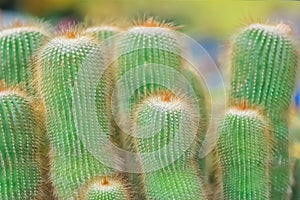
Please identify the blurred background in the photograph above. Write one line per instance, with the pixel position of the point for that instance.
(211, 23)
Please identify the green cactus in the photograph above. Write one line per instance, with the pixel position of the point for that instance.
(245, 151)
(59, 62)
(17, 45)
(150, 59)
(106, 188)
(20, 175)
(264, 65)
(165, 127)
(102, 32)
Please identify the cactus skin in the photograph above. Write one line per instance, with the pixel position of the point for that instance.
(264, 64)
(102, 32)
(57, 68)
(245, 149)
(20, 175)
(17, 45)
(176, 176)
(156, 48)
(106, 188)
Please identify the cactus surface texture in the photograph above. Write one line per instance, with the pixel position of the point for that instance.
(245, 150)
(58, 66)
(20, 175)
(17, 46)
(106, 188)
(264, 65)
(102, 32)
(165, 127)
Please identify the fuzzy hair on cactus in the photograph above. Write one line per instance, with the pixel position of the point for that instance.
(18, 43)
(106, 188)
(264, 65)
(57, 70)
(245, 152)
(20, 175)
(164, 130)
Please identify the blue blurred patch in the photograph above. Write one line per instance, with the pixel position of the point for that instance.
(297, 98)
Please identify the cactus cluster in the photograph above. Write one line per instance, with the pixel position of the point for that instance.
(264, 65)
(20, 168)
(102, 113)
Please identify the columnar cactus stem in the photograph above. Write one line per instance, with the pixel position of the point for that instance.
(17, 45)
(106, 188)
(264, 63)
(150, 60)
(165, 127)
(20, 175)
(245, 151)
(58, 66)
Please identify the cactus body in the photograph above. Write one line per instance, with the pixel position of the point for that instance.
(244, 148)
(20, 175)
(59, 62)
(106, 188)
(264, 63)
(150, 59)
(164, 131)
(17, 45)
(102, 32)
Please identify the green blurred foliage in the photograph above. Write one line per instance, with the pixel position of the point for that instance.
(210, 18)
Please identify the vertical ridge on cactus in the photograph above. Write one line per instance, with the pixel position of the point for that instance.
(245, 150)
(20, 175)
(57, 68)
(165, 127)
(264, 65)
(17, 45)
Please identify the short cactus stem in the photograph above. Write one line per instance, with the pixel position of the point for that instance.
(18, 43)
(57, 70)
(20, 175)
(102, 32)
(264, 65)
(245, 150)
(165, 127)
(106, 188)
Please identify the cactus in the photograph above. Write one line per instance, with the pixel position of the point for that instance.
(150, 59)
(106, 188)
(102, 32)
(57, 68)
(245, 151)
(17, 45)
(20, 175)
(264, 63)
(165, 127)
